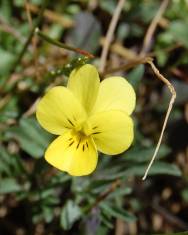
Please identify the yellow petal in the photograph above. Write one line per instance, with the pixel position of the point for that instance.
(112, 131)
(115, 93)
(84, 83)
(72, 153)
(59, 110)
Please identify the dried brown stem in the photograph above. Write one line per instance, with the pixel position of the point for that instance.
(110, 33)
(28, 14)
(170, 217)
(152, 27)
(102, 196)
(51, 16)
(127, 66)
(130, 55)
(173, 97)
(34, 39)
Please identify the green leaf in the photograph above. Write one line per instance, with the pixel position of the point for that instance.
(184, 194)
(10, 164)
(6, 63)
(157, 168)
(179, 30)
(139, 155)
(99, 186)
(117, 212)
(120, 192)
(10, 110)
(106, 221)
(58, 179)
(9, 185)
(108, 5)
(47, 213)
(31, 137)
(69, 214)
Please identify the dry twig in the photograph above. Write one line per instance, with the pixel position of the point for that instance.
(104, 195)
(110, 33)
(170, 217)
(173, 97)
(34, 40)
(26, 44)
(152, 27)
(51, 16)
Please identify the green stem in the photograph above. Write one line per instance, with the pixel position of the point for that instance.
(25, 46)
(62, 45)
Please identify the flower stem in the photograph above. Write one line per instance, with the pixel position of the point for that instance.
(62, 45)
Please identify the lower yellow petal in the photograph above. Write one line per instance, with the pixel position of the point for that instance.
(112, 131)
(73, 153)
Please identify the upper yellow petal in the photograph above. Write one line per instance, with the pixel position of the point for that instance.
(73, 154)
(115, 93)
(112, 131)
(59, 110)
(84, 83)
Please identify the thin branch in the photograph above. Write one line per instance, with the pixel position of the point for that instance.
(4, 101)
(153, 26)
(104, 195)
(52, 16)
(110, 33)
(28, 14)
(31, 110)
(25, 46)
(170, 217)
(173, 92)
(130, 55)
(121, 50)
(127, 66)
(34, 40)
(62, 45)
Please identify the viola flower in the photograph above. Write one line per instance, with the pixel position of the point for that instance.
(87, 116)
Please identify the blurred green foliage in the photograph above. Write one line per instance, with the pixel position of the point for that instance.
(92, 204)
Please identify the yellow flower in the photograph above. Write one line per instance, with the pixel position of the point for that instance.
(88, 116)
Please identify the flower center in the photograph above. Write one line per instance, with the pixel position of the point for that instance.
(79, 140)
(83, 130)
